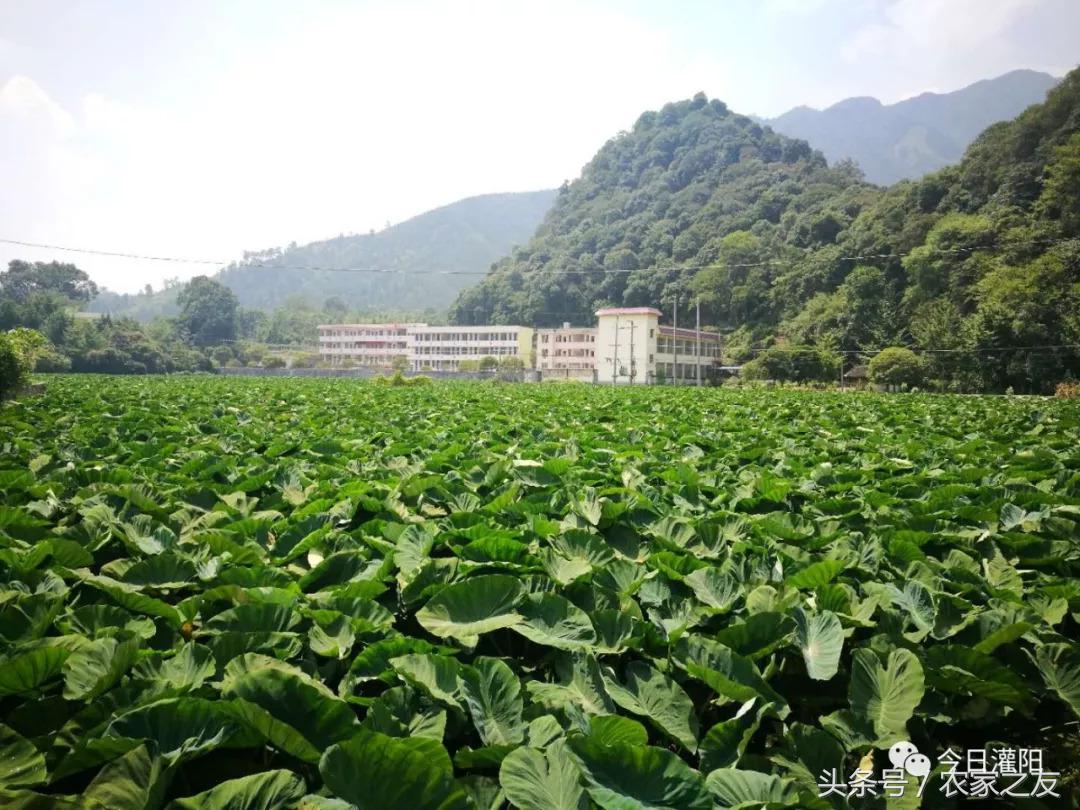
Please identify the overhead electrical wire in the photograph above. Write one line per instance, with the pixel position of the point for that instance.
(995, 247)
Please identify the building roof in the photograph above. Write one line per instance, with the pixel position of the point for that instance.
(629, 311)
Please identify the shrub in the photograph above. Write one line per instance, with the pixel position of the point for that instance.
(274, 362)
(1068, 389)
(306, 360)
(19, 350)
(897, 366)
(222, 355)
(51, 361)
(793, 364)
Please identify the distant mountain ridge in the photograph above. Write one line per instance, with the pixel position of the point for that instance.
(919, 135)
(439, 252)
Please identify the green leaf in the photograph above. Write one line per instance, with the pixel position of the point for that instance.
(185, 671)
(555, 621)
(820, 639)
(402, 711)
(467, 609)
(629, 777)
(734, 788)
(438, 676)
(724, 744)
(917, 601)
(815, 575)
(650, 693)
(97, 666)
(1059, 665)
(319, 717)
(178, 727)
(27, 671)
(726, 672)
(718, 591)
(885, 697)
(613, 729)
(542, 780)
(21, 764)
(136, 781)
(270, 790)
(374, 772)
(493, 696)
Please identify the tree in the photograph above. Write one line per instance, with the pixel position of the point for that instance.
(488, 363)
(897, 366)
(19, 350)
(207, 311)
(794, 364)
(24, 278)
(335, 307)
(400, 363)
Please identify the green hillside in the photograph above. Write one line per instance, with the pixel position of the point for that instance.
(914, 137)
(463, 237)
(975, 259)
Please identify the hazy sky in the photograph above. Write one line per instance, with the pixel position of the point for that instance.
(207, 127)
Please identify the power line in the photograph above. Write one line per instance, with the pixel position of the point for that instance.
(231, 264)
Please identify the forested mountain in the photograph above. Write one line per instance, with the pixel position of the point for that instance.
(467, 235)
(977, 265)
(914, 137)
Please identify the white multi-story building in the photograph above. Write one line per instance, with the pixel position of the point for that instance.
(425, 348)
(633, 348)
(566, 353)
(627, 346)
(365, 344)
(442, 348)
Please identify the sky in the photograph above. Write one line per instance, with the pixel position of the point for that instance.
(206, 128)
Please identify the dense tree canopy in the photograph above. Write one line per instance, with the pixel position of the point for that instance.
(979, 262)
(207, 311)
(23, 279)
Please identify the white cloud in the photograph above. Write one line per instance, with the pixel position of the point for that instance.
(23, 100)
(350, 119)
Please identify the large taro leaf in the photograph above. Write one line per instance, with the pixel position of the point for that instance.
(96, 667)
(548, 779)
(184, 671)
(25, 672)
(885, 697)
(467, 609)
(1059, 665)
(647, 692)
(733, 788)
(637, 777)
(582, 687)
(820, 639)
(178, 727)
(270, 790)
(374, 771)
(715, 589)
(437, 676)
(402, 711)
(492, 694)
(726, 672)
(554, 621)
(966, 671)
(136, 781)
(295, 703)
(723, 745)
(21, 764)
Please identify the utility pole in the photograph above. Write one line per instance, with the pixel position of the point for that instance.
(675, 339)
(615, 355)
(633, 357)
(697, 347)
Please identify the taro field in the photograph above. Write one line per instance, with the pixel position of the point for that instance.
(262, 594)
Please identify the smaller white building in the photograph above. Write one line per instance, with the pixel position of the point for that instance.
(566, 353)
(633, 348)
